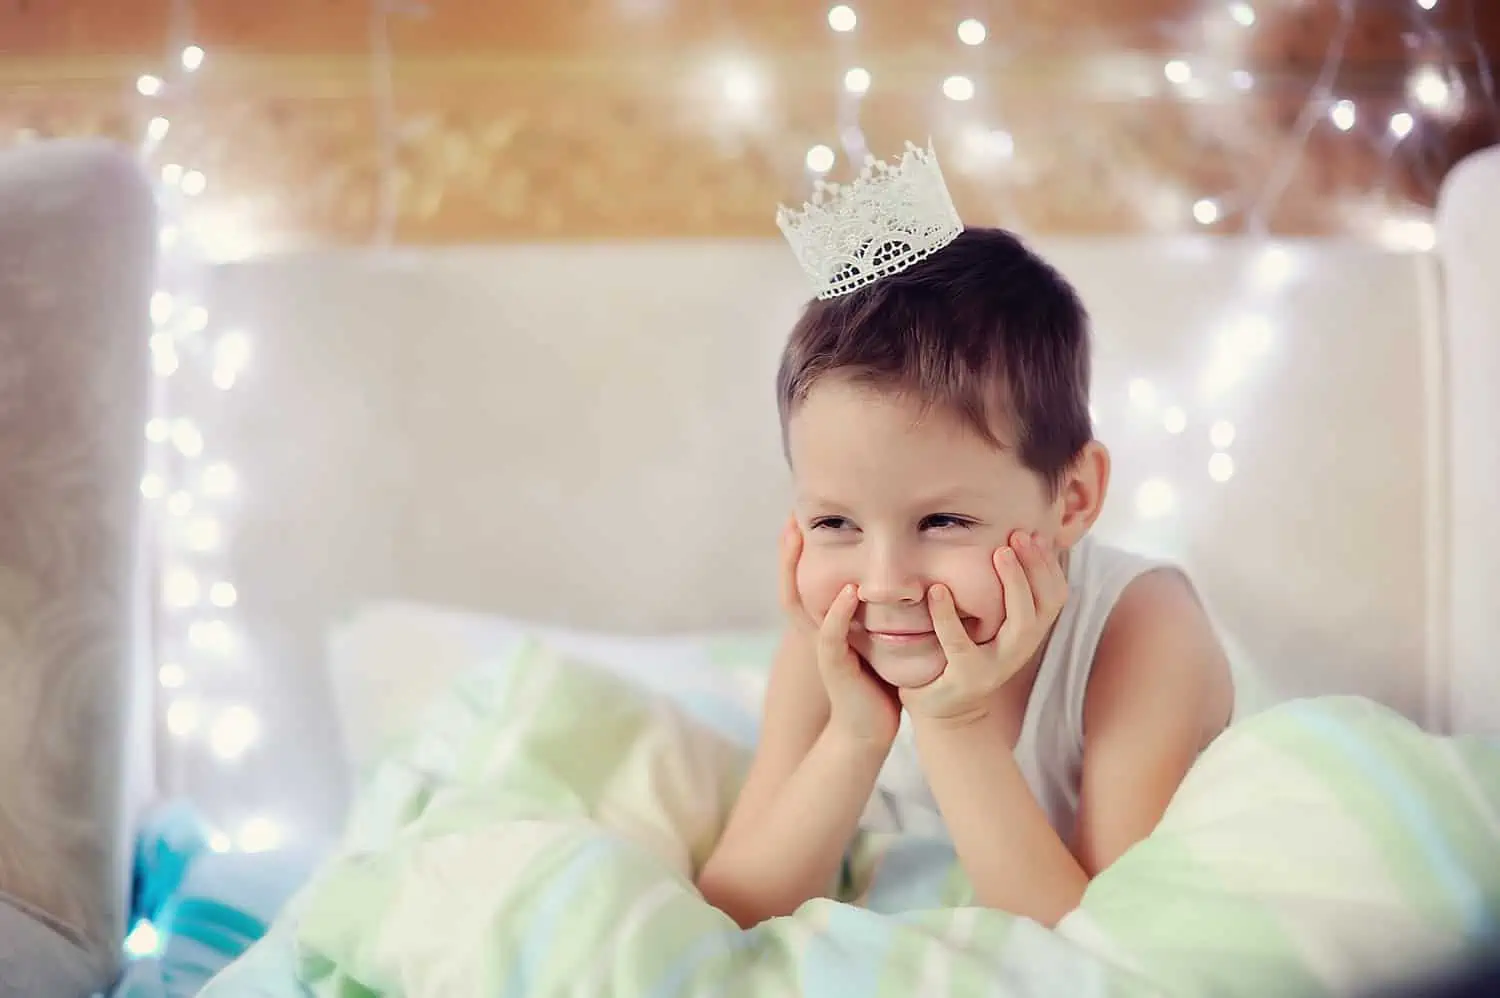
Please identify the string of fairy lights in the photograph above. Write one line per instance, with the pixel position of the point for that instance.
(189, 487)
(1435, 90)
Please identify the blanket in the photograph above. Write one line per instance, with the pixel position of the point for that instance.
(539, 833)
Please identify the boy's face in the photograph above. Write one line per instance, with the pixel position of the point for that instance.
(894, 500)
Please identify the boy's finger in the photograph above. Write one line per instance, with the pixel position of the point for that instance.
(946, 623)
(833, 633)
(1020, 602)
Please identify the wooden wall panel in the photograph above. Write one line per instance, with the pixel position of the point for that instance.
(621, 118)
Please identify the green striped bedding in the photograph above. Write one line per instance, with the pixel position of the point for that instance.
(537, 837)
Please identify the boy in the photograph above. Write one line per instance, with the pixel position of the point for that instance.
(934, 405)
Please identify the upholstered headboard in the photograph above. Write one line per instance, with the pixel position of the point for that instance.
(586, 435)
(77, 244)
(1469, 227)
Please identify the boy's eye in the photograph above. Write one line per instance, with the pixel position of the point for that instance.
(830, 523)
(945, 521)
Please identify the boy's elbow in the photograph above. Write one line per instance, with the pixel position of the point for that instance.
(740, 895)
(727, 896)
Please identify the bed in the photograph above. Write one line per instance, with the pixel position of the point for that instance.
(440, 453)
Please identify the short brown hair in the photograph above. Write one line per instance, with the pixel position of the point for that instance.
(984, 328)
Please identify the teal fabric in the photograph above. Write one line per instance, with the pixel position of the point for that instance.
(202, 909)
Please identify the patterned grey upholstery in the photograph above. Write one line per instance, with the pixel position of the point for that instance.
(77, 245)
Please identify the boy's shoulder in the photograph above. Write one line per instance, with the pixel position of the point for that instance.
(1159, 642)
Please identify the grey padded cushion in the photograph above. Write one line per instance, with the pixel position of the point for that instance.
(77, 245)
(37, 960)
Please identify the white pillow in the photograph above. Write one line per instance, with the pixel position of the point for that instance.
(390, 660)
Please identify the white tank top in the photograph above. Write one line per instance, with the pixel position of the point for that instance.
(1049, 750)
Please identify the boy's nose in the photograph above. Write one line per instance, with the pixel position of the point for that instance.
(888, 578)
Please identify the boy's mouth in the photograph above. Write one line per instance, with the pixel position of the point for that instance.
(900, 637)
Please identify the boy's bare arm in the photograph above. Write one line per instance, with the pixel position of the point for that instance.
(800, 804)
(1158, 692)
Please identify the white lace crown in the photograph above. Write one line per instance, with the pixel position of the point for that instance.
(890, 217)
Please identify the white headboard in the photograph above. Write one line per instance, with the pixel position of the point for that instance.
(1469, 227)
(587, 435)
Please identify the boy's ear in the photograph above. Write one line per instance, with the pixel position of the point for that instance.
(1080, 495)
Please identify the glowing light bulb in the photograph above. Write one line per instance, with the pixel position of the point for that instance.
(1273, 266)
(1430, 89)
(143, 941)
(223, 595)
(193, 183)
(218, 479)
(983, 148)
(192, 58)
(183, 717)
(1142, 393)
(163, 355)
(842, 18)
(162, 306)
(187, 438)
(211, 636)
(857, 80)
(157, 129)
(1174, 420)
(1243, 14)
(1206, 211)
(231, 354)
(1402, 124)
(820, 159)
(220, 842)
(158, 430)
(260, 835)
(233, 733)
(1155, 498)
(1221, 467)
(958, 88)
(972, 31)
(1343, 115)
(153, 486)
(1221, 434)
(180, 588)
(742, 86)
(233, 350)
(1427, 4)
(204, 534)
(172, 676)
(1178, 71)
(148, 85)
(171, 174)
(164, 361)
(196, 319)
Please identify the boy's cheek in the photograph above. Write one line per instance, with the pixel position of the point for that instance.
(980, 601)
(819, 580)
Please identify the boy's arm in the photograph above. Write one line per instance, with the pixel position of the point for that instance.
(800, 804)
(1157, 693)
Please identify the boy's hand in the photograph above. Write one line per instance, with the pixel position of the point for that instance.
(861, 705)
(1035, 588)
